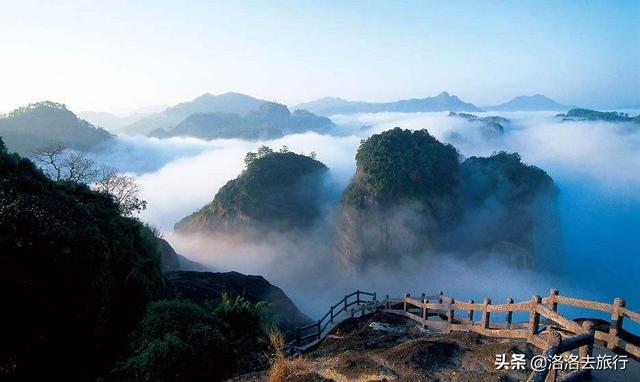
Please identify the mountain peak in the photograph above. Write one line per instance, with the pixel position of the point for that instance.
(535, 102)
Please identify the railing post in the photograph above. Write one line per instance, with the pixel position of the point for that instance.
(358, 296)
(509, 313)
(406, 307)
(450, 313)
(425, 314)
(486, 316)
(471, 312)
(616, 322)
(587, 350)
(387, 302)
(345, 302)
(440, 297)
(553, 305)
(534, 316)
(554, 341)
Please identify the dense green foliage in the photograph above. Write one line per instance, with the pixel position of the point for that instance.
(505, 178)
(41, 124)
(402, 164)
(75, 275)
(282, 189)
(179, 340)
(82, 288)
(411, 194)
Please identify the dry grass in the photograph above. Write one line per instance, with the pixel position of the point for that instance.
(283, 368)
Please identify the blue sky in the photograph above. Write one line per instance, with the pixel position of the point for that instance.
(119, 55)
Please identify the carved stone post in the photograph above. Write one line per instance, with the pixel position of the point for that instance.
(486, 316)
(616, 322)
(554, 340)
(450, 313)
(471, 312)
(440, 298)
(387, 302)
(406, 306)
(425, 314)
(553, 305)
(534, 316)
(587, 350)
(509, 313)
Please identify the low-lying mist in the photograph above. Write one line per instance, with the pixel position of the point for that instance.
(596, 166)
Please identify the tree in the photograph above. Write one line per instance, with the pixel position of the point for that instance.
(264, 150)
(313, 155)
(62, 165)
(122, 188)
(250, 157)
(284, 149)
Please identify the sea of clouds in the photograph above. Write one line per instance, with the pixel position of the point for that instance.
(596, 166)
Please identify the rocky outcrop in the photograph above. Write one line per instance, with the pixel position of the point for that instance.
(209, 286)
(492, 126)
(593, 115)
(411, 196)
(279, 191)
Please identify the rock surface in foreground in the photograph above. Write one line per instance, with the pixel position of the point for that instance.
(359, 351)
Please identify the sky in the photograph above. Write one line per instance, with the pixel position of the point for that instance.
(120, 55)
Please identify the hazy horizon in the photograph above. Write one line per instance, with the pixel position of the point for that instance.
(119, 57)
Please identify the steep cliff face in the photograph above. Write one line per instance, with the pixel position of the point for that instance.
(506, 207)
(400, 199)
(276, 192)
(411, 196)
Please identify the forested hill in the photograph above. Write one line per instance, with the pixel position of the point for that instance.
(279, 190)
(40, 124)
(413, 196)
(84, 297)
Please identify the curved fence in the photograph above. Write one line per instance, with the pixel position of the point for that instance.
(350, 305)
(545, 328)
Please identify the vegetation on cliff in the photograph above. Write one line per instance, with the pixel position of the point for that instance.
(280, 189)
(75, 274)
(399, 165)
(85, 298)
(412, 194)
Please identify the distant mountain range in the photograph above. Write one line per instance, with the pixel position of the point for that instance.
(536, 102)
(235, 103)
(442, 102)
(269, 121)
(40, 124)
(114, 122)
